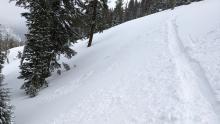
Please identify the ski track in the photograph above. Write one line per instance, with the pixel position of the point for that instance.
(125, 97)
(189, 70)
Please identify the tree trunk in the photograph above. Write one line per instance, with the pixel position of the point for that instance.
(91, 35)
(93, 23)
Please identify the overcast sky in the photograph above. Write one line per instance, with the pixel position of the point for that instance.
(10, 15)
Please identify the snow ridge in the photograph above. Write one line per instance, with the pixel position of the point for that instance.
(188, 69)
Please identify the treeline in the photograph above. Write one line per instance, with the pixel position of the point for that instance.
(7, 41)
(5, 107)
(138, 8)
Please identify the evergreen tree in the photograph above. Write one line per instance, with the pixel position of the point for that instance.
(172, 4)
(135, 10)
(5, 108)
(131, 10)
(38, 52)
(138, 9)
(62, 32)
(109, 18)
(50, 25)
(118, 12)
(95, 11)
(143, 7)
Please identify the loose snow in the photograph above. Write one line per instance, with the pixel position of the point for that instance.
(159, 69)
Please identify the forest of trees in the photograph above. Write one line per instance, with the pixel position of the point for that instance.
(7, 41)
(138, 8)
(56, 24)
(5, 107)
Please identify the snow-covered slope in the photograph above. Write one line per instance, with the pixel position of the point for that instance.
(159, 69)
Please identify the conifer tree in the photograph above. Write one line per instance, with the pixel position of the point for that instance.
(172, 4)
(110, 18)
(62, 32)
(50, 25)
(38, 52)
(5, 108)
(143, 7)
(131, 10)
(95, 10)
(118, 11)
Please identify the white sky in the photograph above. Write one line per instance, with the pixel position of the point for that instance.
(10, 16)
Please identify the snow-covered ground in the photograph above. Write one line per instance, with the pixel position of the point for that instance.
(159, 69)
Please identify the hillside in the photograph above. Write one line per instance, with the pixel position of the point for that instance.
(159, 69)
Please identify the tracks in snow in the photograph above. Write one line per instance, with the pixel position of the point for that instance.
(189, 70)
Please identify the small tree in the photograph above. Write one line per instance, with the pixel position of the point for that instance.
(5, 108)
(51, 27)
(95, 10)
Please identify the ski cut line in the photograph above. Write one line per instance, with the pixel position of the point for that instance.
(188, 69)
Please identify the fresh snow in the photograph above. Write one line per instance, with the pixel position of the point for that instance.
(159, 69)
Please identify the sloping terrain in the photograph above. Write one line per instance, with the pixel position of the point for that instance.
(159, 69)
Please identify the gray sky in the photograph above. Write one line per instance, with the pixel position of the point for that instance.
(10, 16)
